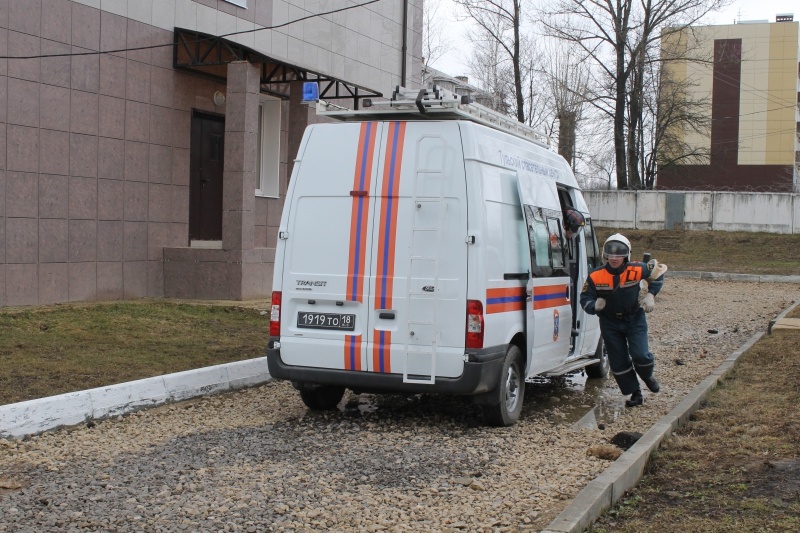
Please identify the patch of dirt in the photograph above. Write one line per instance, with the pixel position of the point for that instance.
(775, 478)
(736, 465)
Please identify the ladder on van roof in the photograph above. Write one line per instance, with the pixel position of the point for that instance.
(434, 103)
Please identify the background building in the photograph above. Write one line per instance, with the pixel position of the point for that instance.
(146, 145)
(456, 84)
(750, 72)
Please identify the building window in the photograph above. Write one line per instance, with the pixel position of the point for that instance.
(268, 147)
(240, 3)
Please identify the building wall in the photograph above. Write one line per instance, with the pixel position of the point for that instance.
(94, 149)
(753, 139)
(359, 45)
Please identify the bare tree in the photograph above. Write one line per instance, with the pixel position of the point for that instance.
(487, 68)
(567, 77)
(434, 45)
(675, 108)
(616, 35)
(501, 22)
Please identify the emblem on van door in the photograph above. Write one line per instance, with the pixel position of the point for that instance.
(428, 288)
(311, 282)
(556, 320)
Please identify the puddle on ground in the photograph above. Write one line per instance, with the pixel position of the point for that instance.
(574, 399)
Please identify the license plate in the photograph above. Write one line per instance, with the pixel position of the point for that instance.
(326, 321)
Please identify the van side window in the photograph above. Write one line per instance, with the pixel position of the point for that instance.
(546, 242)
(539, 238)
(556, 245)
(593, 258)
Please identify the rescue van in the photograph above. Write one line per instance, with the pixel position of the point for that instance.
(422, 249)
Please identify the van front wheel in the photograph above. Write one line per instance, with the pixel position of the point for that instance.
(322, 398)
(506, 406)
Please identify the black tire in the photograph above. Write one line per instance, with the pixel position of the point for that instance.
(322, 398)
(506, 406)
(599, 369)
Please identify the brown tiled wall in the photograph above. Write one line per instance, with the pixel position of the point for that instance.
(94, 155)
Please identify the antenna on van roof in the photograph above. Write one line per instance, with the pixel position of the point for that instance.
(435, 103)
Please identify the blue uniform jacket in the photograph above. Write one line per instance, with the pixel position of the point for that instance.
(620, 288)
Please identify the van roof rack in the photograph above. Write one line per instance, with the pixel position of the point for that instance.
(434, 103)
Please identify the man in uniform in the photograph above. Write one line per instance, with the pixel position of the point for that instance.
(612, 292)
(574, 223)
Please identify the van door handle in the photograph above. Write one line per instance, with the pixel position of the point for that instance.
(517, 275)
(386, 315)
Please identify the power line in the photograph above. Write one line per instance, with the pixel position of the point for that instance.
(92, 53)
(754, 113)
(752, 90)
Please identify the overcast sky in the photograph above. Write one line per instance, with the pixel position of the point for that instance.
(454, 63)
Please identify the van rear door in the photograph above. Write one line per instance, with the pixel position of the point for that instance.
(419, 264)
(328, 236)
(375, 257)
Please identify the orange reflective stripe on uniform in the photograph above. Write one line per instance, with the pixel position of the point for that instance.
(604, 280)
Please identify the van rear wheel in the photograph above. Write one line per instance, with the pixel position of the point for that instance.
(510, 392)
(600, 369)
(322, 398)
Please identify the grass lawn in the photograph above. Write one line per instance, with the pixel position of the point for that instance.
(56, 349)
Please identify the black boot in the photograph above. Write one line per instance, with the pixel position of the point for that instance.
(652, 384)
(636, 399)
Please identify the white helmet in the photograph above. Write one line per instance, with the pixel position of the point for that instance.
(617, 245)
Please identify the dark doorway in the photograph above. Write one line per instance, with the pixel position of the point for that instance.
(205, 177)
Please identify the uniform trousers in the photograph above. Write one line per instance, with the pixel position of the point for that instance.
(625, 337)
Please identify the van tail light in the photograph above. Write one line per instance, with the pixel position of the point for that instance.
(474, 324)
(275, 315)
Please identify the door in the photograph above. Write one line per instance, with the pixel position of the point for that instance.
(419, 255)
(205, 177)
(548, 313)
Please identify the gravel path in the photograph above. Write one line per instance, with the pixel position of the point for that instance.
(257, 460)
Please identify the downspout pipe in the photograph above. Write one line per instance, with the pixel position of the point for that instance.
(405, 45)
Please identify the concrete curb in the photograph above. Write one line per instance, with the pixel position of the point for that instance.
(725, 276)
(781, 316)
(605, 490)
(36, 416)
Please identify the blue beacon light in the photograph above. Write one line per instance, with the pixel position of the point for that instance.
(310, 91)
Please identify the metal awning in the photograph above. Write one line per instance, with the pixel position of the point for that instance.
(209, 55)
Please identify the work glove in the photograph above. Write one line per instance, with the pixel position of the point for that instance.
(648, 302)
(599, 304)
(643, 287)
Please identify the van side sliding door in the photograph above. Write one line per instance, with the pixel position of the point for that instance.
(548, 311)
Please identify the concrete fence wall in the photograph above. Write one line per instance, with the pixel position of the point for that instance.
(695, 210)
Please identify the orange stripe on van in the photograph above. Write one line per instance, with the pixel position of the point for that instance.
(387, 237)
(381, 348)
(359, 216)
(550, 296)
(352, 352)
(359, 213)
(502, 300)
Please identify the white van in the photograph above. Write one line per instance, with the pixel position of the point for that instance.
(421, 250)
